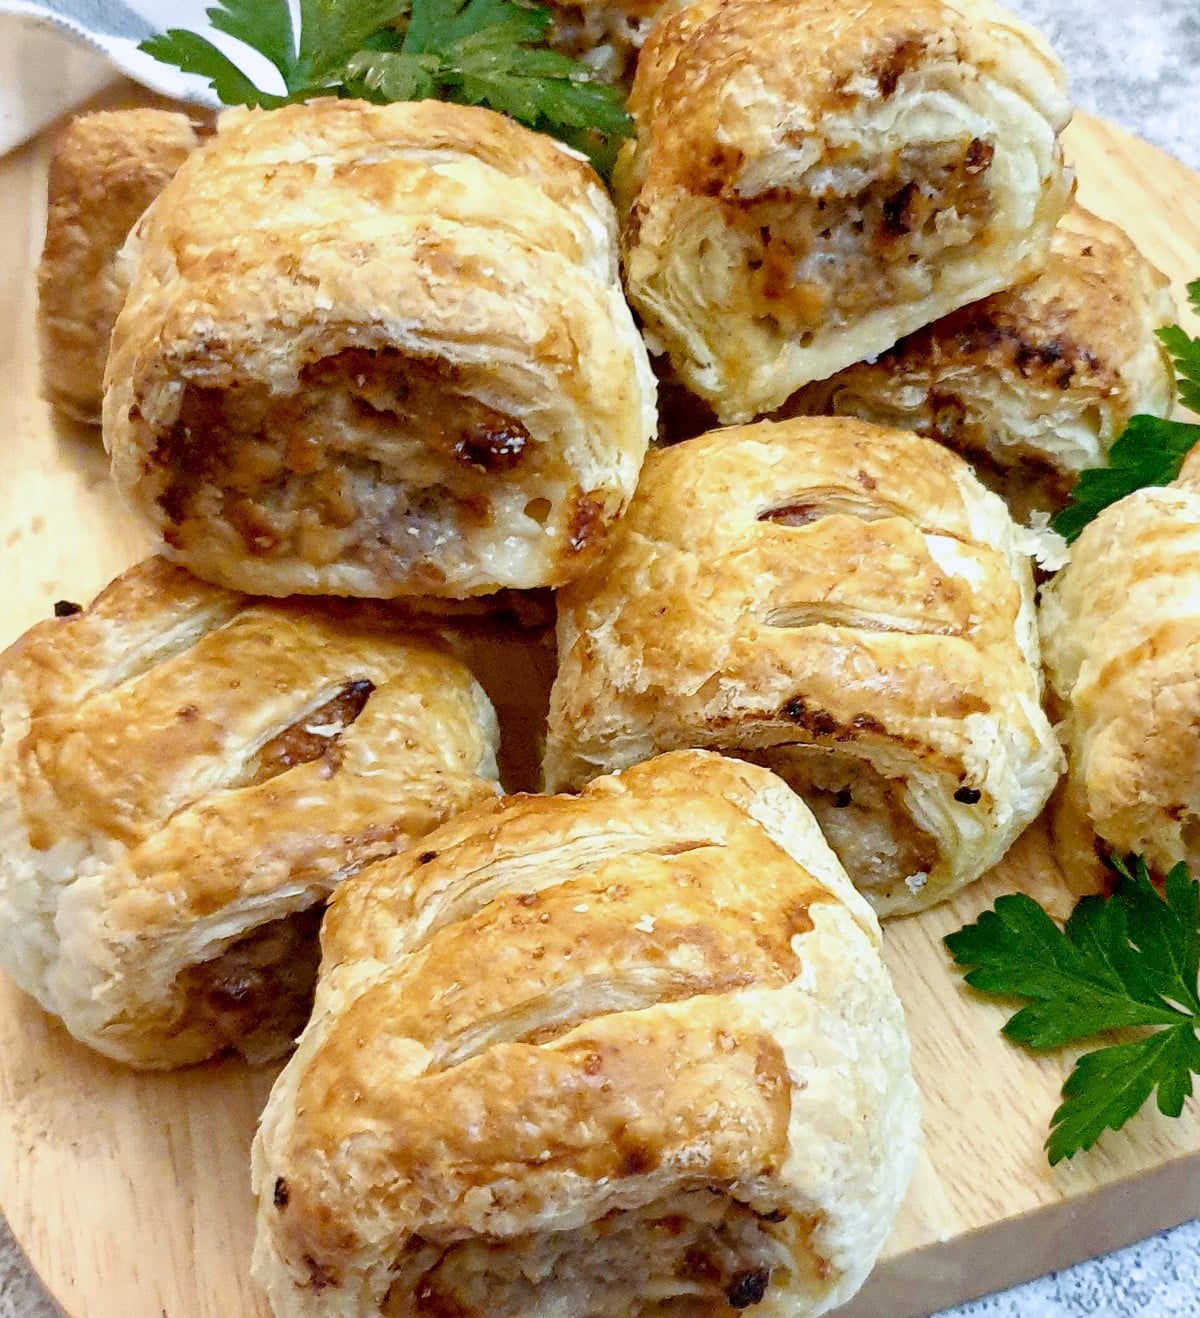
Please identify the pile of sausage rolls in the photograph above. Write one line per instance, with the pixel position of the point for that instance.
(393, 385)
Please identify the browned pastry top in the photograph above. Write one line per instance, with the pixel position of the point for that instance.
(821, 55)
(378, 350)
(106, 169)
(818, 583)
(184, 769)
(558, 1010)
(168, 695)
(1072, 327)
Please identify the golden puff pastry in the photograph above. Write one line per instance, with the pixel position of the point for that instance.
(843, 603)
(1032, 385)
(812, 181)
(106, 169)
(185, 775)
(378, 350)
(627, 1053)
(1121, 635)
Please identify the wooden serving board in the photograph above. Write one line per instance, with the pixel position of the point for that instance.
(130, 1193)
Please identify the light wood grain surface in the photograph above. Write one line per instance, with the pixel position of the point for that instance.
(130, 1193)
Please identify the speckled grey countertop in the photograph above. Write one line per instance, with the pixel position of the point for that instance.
(1136, 62)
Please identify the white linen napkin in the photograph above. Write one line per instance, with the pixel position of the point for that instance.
(56, 53)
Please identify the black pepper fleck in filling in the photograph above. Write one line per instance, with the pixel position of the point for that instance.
(817, 721)
(979, 156)
(493, 446)
(281, 1193)
(319, 1278)
(586, 524)
(748, 1288)
(65, 608)
(636, 1160)
(897, 221)
(968, 795)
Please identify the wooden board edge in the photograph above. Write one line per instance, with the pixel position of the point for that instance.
(1020, 1249)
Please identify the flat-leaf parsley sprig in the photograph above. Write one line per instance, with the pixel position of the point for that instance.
(1150, 451)
(475, 52)
(1126, 962)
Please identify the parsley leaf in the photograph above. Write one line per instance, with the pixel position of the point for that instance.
(1130, 961)
(1185, 352)
(476, 52)
(194, 54)
(395, 75)
(265, 25)
(332, 31)
(1108, 1086)
(1149, 451)
(485, 52)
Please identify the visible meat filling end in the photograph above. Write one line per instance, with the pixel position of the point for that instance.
(256, 996)
(861, 813)
(313, 737)
(374, 452)
(699, 1251)
(822, 261)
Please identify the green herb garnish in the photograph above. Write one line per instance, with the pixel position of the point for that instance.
(1126, 962)
(1150, 451)
(475, 52)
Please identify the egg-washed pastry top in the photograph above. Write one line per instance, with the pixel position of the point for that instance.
(378, 350)
(1035, 384)
(106, 169)
(812, 181)
(1121, 633)
(621, 1054)
(844, 603)
(185, 776)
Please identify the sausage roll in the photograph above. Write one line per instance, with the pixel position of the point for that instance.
(106, 169)
(1121, 631)
(1031, 385)
(185, 775)
(378, 350)
(627, 1053)
(843, 603)
(812, 181)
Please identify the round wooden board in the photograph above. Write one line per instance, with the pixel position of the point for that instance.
(131, 1194)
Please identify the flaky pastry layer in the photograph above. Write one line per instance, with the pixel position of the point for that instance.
(185, 776)
(1033, 385)
(106, 169)
(378, 351)
(626, 1053)
(844, 603)
(1121, 634)
(812, 181)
